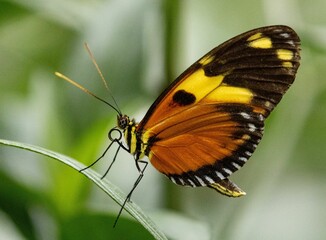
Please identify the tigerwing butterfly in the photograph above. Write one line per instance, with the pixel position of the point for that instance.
(209, 121)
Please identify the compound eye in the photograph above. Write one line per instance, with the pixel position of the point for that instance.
(123, 121)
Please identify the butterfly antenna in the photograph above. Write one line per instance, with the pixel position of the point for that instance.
(60, 75)
(91, 55)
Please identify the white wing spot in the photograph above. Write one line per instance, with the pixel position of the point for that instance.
(209, 179)
(285, 35)
(173, 180)
(237, 166)
(191, 183)
(245, 115)
(248, 153)
(261, 117)
(228, 171)
(278, 30)
(182, 182)
(219, 175)
(290, 42)
(243, 159)
(252, 127)
(201, 182)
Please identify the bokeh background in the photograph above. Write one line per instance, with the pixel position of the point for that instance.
(141, 46)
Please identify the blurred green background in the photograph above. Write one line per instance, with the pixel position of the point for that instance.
(141, 46)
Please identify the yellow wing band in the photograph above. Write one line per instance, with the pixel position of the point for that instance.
(199, 84)
(259, 41)
(212, 89)
(230, 95)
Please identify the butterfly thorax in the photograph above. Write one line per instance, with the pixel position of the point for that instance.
(132, 137)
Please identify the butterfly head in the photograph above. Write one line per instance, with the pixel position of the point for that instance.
(129, 129)
(122, 121)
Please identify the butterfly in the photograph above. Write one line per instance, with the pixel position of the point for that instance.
(208, 122)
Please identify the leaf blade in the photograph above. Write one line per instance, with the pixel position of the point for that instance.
(110, 189)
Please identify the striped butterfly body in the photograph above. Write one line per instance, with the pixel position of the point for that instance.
(209, 121)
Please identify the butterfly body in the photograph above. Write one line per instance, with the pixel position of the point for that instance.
(209, 121)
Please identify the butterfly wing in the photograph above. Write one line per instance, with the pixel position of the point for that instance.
(208, 122)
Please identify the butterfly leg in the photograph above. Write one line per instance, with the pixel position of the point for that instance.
(98, 158)
(114, 158)
(141, 174)
(115, 155)
(113, 140)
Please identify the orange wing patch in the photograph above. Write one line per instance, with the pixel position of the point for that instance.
(203, 141)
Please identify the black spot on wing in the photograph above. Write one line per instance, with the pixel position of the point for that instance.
(183, 98)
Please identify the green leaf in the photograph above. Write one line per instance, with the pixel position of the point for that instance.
(86, 226)
(113, 191)
(15, 201)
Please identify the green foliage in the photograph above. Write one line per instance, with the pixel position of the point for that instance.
(94, 226)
